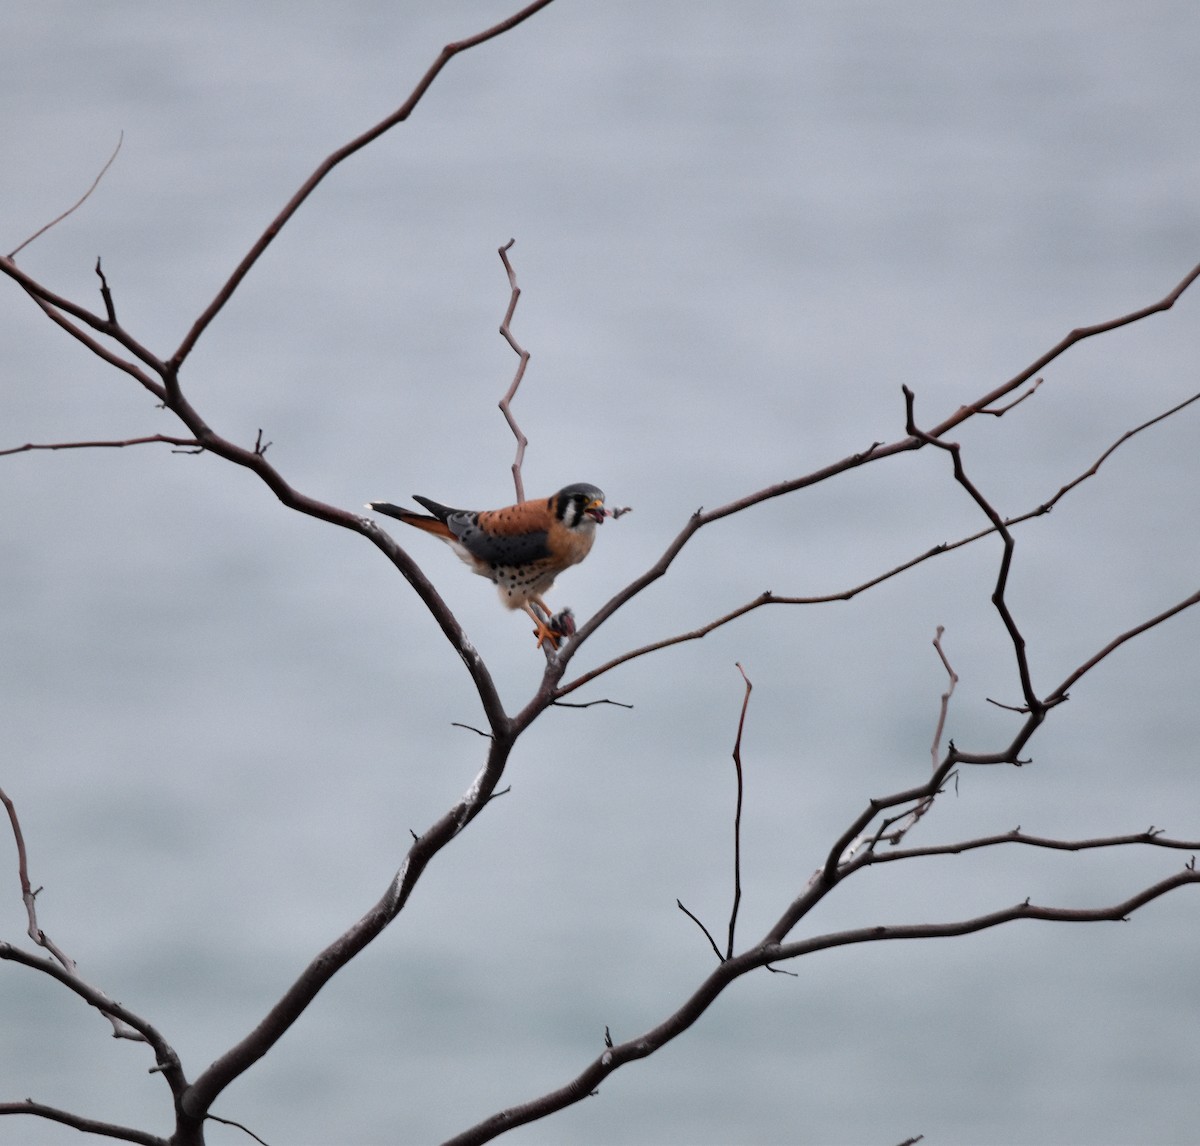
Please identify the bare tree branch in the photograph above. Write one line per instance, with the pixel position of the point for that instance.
(588, 1080)
(1077, 335)
(1033, 703)
(707, 934)
(770, 598)
(167, 1061)
(875, 452)
(238, 1126)
(737, 815)
(1060, 693)
(523, 361)
(75, 207)
(331, 161)
(121, 1029)
(78, 1122)
(200, 1096)
(186, 445)
(1152, 837)
(110, 308)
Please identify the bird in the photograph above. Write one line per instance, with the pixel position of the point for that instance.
(521, 548)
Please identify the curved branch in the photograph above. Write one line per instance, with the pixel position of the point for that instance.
(75, 206)
(1077, 335)
(1060, 693)
(331, 161)
(184, 445)
(167, 1060)
(771, 598)
(1149, 838)
(1033, 702)
(56, 308)
(78, 1122)
(586, 1082)
(239, 1058)
(875, 452)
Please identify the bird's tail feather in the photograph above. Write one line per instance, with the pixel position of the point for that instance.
(418, 520)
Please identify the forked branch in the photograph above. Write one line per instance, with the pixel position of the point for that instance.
(877, 451)
(613, 1058)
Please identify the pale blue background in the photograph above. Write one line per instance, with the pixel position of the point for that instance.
(740, 228)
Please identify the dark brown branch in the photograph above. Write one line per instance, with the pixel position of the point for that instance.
(1000, 411)
(331, 161)
(935, 749)
(72, 209)
(110, 308)
(187, 445)
(875, 452)
(200, 1096)
(78, 1122)
(57, 308)
(523, 361)
(587, 1081)
(589, 703)
(1032, 702)
(893, 829)
(121, 1030)
(28, 895)
(1077, 335)
(167, 1061)
(737, 815)
(1149, 838)
(707, 934)
(237, 1125)
(193, 1102)
(770, 598)
(1119, 912)
(1060, 693)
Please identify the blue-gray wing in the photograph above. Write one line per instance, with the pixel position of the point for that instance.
(512, 549)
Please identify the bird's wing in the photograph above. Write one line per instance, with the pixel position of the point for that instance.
(497, 548)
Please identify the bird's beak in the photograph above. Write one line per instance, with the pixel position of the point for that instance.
(596, 510)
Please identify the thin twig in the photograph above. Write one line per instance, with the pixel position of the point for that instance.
(523, 361)
(237, 1125)
(78, 1122)
(767, 952)
(737, 815)
(1152, 837)
(28, 895)
(121, 1029)
(1060, 693)
(71, 210)
(770, 598)
(110, 308)
(1000, 411)
(1079, 334)
(330, 162)
(876, 452)
(707, 934)
(935, 749)
(999, 601)
(471, 728)
(588, 703)
(187, 445)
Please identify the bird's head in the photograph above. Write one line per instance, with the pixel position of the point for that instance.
(580, 506)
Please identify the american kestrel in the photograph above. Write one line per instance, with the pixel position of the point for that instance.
(520, 548)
